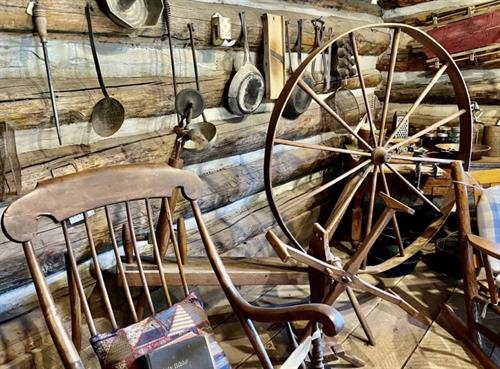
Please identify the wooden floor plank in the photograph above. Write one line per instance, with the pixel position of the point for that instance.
(396, 333)
(439, 349)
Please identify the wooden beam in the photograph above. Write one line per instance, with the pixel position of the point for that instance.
(483, 86)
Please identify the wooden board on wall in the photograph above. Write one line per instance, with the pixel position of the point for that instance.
(274, 54)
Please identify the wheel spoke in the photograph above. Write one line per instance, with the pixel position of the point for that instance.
(390, 76)
(414, 107)
(432, 127)
(412, 187)
(319, 147)
(302, 198)
(343, 201)
(373, 195)
(394, 218)
(330, 111)
(417, 159)
(362, 84)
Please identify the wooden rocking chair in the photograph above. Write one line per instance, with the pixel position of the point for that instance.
(130, 187)
(475, 252)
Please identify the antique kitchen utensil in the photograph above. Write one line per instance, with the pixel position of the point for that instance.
(328, 67)
(40, 18)
(299, 100)
(319, 29)
(133, 13)
(201, 135)
(167, 14)
(108, 114)
(247, 87)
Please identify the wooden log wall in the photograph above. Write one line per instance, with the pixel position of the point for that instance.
(136, 68)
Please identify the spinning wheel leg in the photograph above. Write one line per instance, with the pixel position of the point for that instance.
(361, 316)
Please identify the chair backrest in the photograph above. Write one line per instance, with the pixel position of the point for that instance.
(104, 190)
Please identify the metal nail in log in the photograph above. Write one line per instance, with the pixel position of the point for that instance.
(40, 19)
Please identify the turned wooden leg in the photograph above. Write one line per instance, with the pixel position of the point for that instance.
(357, 222)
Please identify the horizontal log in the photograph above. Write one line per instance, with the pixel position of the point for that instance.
(25, 102)
(426, 114)
(37, 146)
(339, 6)
(483, 86)
(72, 60)
(417, 61)
(406, 61)
(391, 4)
(66, 19)
(422, 12)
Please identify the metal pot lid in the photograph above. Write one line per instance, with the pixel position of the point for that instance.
(189, 99)
(133, 13)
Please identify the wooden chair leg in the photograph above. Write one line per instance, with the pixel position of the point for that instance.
(76, 309)
(256, 342)
(460, 332)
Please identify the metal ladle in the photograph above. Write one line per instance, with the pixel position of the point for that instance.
(201, 135)
(108, 114)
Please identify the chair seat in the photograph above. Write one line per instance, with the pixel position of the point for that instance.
(243, 271)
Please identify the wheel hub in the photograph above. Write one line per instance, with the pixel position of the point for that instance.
(380, 155)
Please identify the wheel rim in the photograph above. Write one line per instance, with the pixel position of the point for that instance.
(380, 154)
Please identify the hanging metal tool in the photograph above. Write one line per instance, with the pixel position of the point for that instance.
(328, 67)
(299, 101)
(247, 87)
(108, 114)
(319, 29)
(40, 19)
(204, 133)
(167, 14)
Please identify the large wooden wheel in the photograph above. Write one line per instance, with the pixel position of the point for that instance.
(374, 164)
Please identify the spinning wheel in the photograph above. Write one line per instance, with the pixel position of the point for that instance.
(378, 162)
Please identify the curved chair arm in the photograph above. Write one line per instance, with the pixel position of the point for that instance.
(483, 245)
(331, 320)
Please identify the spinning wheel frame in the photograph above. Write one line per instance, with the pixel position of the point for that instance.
(378, 155)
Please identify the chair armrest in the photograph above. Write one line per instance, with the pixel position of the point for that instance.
(483, 245)
(331, 320)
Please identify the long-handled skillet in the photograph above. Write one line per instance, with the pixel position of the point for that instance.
(299, 101)
(247, 87)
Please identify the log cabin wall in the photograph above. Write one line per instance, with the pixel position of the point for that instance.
(136, 67)
(137, 71)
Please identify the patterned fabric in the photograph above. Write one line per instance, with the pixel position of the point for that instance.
(488, 219)
(120, 349)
